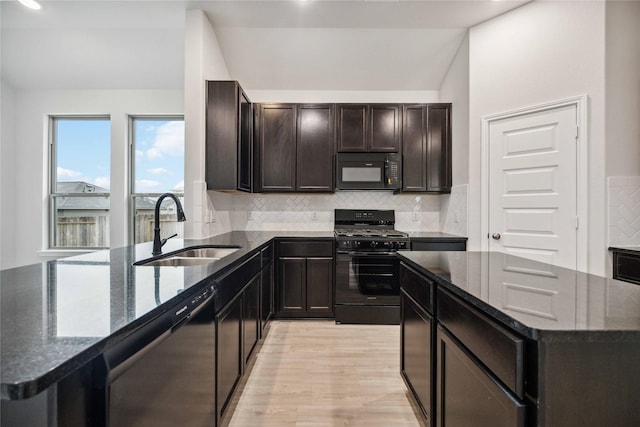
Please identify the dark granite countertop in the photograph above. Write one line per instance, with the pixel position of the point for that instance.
(59, 315)
(540, 301)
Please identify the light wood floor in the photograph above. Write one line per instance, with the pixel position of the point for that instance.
(317, 373)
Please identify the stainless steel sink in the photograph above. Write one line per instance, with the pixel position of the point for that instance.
(206, 252)
(190, 256)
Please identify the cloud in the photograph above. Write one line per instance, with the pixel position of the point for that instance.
(159, 171)
(67, 173)
(179, 187)
(154, 153)
(146, 185)
(139, 153)
(103, 181)
(169, 141)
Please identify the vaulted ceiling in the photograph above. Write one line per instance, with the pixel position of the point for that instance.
(268, 45)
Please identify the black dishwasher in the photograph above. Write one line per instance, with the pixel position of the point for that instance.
(163, 374)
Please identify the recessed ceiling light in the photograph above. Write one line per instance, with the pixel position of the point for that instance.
(31, 4)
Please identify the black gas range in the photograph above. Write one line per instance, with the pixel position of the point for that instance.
(368, 230)
(367, 287)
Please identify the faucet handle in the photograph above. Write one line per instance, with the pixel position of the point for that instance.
(163, 241)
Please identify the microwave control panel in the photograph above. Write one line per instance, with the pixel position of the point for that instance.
(392, 167)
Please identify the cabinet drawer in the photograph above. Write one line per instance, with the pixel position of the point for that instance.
(417, 286)
(422, 245)
(306, 249)
(467, 394)
(500, 350)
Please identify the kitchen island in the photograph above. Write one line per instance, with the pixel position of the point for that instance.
(60, 316)
(516, 342)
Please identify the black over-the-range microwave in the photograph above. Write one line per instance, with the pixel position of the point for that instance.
(368, 171)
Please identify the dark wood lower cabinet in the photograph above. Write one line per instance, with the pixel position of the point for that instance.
(306, 287)
(305, 279)
(228, 354)
(266, 297)
(293, 283)
(250, 317)
(416, 348)
(239, 323)
(319, 286)
(467, 394)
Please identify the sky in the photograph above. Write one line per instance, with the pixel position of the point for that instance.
(84, 149)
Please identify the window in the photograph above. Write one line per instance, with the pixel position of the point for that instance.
(157, 167)
(80, 180)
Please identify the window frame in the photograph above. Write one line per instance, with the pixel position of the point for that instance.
(53, 179)
(131, 211)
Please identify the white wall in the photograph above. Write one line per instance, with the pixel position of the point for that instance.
(7, 171)
(203, 61)
(623, 87)
(541, 52)
(455, 89)
(30, 176)
(311, 96)
(623, 123)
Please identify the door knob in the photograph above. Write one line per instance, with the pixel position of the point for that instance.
(496, 236)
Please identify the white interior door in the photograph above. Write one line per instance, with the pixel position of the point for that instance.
(533, 185)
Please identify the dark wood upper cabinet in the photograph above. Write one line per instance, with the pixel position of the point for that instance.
(295, 147)
(277, 147)
(426, 148)
(384, 128)
(368, 127)
(352, 127)
(439, 147)
(228, 137)
(245, 143)
(291, 147)
(315, 148)
(414, 149)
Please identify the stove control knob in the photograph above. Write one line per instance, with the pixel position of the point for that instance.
(374, 244)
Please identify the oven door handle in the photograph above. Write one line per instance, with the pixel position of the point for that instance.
(353, 253)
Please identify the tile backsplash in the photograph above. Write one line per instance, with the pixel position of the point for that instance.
(314, 212)
(623, 201)
(453, 210)
(213, 212)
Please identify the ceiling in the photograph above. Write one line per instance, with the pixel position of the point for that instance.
(267, 45)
